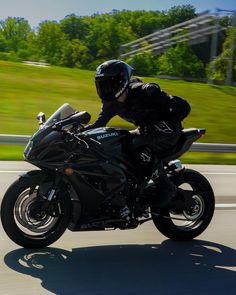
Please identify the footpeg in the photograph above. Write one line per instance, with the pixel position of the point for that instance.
(124, 212)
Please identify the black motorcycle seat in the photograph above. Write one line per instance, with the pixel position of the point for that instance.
(186, 138)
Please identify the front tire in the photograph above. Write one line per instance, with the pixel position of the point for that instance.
(192, 223)
(22, 220)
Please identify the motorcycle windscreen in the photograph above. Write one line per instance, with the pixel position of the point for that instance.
(63, 112)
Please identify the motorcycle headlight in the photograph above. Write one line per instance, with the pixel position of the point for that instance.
(28, 149)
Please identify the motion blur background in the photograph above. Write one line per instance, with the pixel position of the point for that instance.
(49, 51)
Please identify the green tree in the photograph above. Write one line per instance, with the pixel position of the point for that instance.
(3, 43)
(15, 30)
(179, 14)
(51, 40)
(75, 54)
(75, 27)
(85, 41)
(180, 61)
(146, 22)
(141, 23)
(106, 36)
(217, 70)
(144, 64)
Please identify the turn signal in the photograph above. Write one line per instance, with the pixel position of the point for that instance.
(68, 171)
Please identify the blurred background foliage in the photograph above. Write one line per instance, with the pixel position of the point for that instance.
(74, 47)
(86, 41)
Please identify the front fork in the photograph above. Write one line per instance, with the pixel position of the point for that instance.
(53, 190)
(51, 193)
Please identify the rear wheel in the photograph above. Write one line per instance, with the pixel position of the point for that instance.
(189, 219)
(25, 218)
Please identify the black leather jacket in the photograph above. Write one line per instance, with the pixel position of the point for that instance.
(143, 106)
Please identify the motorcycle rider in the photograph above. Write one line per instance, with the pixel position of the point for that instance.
(149, 108)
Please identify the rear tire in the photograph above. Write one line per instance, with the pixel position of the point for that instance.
(17, 220)
(205, 203)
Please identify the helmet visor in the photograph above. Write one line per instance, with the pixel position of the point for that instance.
(110, 88)
(104, 88)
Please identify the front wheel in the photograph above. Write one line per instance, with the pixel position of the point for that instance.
(25, 218)
(188, 221)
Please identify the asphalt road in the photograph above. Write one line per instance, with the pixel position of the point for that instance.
(140, 261)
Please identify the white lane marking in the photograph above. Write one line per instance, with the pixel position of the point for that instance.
(12, 171)
(225, 206)
(219, 173)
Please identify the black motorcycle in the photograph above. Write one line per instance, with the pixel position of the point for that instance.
(85, 178)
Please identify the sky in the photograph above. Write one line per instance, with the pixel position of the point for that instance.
(36, 11)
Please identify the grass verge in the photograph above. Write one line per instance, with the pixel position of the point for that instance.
(27, 90)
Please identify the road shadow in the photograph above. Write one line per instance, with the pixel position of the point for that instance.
(196, 267)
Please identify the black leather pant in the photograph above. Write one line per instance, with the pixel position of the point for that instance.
(149, 143)
(160, 141)
(148, 146)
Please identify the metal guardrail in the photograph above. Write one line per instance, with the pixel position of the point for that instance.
(14, 139)
(213, 147)
(7, 139)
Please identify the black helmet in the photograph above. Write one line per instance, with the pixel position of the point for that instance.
(112, 79)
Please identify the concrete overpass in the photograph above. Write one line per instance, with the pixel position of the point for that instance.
(194, 31)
